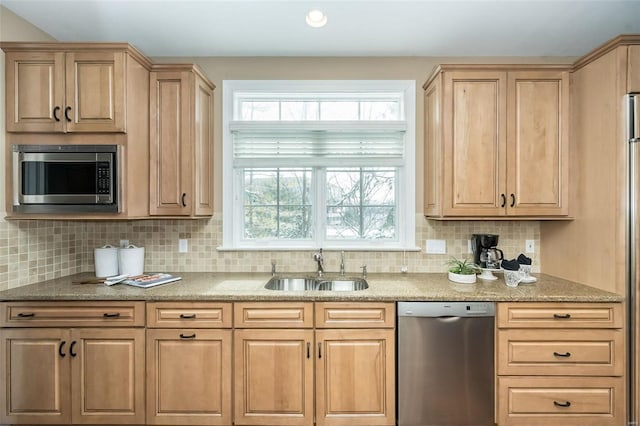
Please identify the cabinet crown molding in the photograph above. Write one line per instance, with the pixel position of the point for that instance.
(9, 46)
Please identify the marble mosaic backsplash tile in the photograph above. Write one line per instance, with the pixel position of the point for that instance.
(32, 251)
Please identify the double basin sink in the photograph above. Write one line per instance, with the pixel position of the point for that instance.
(316, 284)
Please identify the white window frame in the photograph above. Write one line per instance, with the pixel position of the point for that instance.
(405, 188)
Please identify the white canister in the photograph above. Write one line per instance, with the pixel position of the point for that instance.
(106, 261)
(131, 260)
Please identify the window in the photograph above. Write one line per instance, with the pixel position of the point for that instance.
(312, 164)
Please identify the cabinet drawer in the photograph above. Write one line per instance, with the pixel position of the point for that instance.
(273, 315)
(355, 315)
(72, 314)
(546, 401)
(188, 314)
(561, 352)
(560, 315)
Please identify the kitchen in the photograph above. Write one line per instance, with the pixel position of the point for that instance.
(39, 250)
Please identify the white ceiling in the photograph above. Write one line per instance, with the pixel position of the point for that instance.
(355, 27)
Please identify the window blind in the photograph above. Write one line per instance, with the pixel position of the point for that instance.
(260, 144)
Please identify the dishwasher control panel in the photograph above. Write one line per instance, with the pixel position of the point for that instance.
(446, 309)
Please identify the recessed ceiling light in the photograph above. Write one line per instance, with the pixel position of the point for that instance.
(316, 18)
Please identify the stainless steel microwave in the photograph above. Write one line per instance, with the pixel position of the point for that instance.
(65, 178)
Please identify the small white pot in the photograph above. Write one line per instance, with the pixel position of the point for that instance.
(463, 279)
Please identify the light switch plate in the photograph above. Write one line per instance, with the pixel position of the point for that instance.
(436, 247)
(469, 247)
(183, 245)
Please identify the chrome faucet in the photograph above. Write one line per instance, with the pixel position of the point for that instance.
(342, 263)
(318, 258)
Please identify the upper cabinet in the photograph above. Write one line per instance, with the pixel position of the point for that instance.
(181, 142)
(160, 117)
(66, 91)
(496, 142)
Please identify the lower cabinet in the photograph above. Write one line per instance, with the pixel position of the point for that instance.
(355, 372)
(560, 363)
(189, 363)
(354, 366)
(80, 376)
(274, 377)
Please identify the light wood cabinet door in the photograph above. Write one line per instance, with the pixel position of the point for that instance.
(181, 138)
(474, 113)
(538, 145)
(355, 377)
(95, 92)
(273, 377)
(171, 148)
(107, 375)
(189, 377)
(35, 386)
(35, 91)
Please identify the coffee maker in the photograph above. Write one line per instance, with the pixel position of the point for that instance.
(485, 252)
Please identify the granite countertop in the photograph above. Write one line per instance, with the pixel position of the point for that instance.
(201, 286)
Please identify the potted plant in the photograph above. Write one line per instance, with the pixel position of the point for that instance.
(462, 271)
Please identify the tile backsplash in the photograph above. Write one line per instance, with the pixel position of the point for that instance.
(32, 251)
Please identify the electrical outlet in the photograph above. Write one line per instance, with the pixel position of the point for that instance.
(124, 243)
(469, 247)
(529, 246)
(183, 245)
(436, 247)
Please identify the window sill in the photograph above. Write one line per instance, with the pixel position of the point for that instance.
(326, 248)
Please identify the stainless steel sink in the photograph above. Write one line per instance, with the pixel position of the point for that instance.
(319, 284)
(351, 284)
(291, 284)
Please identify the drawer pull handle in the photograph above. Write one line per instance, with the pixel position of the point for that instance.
(562, 404)
(113, 315)
(26, 315)
(66, 113)
(308, 350)
(564, 355)
(504, 200)
(62, 354)
(562, 316)
(513, 200)
(71, 352)
(319, 350)
(191, 336)
(187, 316)
(55, 113)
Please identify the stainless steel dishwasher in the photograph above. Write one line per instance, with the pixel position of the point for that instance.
(445, 363)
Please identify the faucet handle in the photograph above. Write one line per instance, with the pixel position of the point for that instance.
(364, 271)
